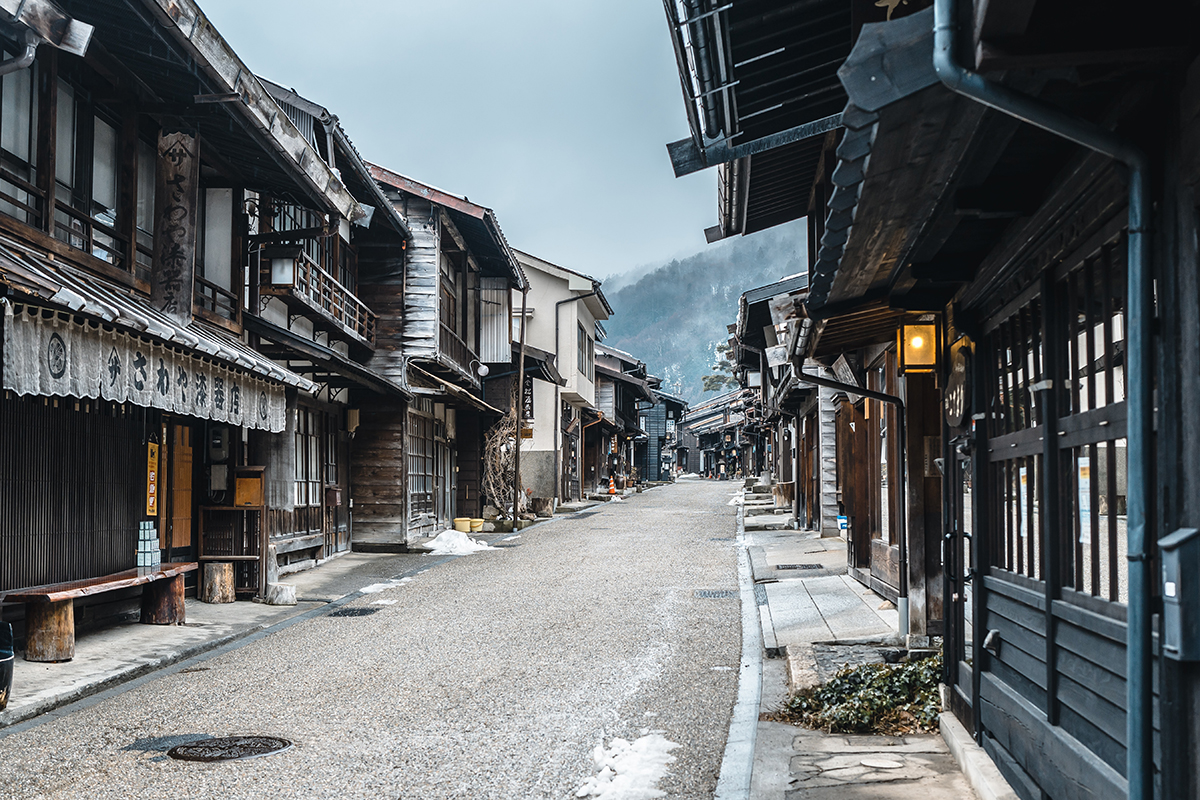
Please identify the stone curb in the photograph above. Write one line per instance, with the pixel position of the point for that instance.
(981, 772)
(801, 667)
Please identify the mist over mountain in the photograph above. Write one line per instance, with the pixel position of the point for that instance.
(674, 316)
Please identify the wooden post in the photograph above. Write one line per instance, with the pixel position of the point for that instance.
(176, 201)
(217, 586)
(50, 631)
(162, 602)
(519, 399)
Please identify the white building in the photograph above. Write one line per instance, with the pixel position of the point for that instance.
(563, 314)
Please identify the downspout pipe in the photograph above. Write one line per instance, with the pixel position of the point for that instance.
(25, 59)
(902, 520)
(557, 409)
(1139, 398)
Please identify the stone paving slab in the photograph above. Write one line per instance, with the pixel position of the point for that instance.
(835, 766)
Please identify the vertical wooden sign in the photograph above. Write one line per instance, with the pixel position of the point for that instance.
(176, 198)
(152, 480)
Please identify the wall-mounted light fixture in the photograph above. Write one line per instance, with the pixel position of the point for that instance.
(283, 260)
(917, 346)
(481, 369)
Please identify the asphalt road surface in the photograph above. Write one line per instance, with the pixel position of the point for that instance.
(493, 675)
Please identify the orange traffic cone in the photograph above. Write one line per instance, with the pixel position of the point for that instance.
(612, 485)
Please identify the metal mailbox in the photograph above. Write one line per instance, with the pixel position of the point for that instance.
(1180, 554)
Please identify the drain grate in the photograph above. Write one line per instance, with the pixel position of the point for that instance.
(716, 594)
(229, 748)
(506, 544)
(799, 566)
(354, 612)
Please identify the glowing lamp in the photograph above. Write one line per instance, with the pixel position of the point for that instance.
(918, 348)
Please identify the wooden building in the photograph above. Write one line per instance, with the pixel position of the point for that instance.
(144, 171)
(796, 418)
(1001, 206)
(653, 457)
(309, 317)
(444, 325)
(621, 382)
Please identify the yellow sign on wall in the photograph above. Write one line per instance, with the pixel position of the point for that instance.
(152, 480)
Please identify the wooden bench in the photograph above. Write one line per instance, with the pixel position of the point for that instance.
(50, 609)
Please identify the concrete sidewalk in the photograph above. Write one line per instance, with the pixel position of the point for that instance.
(815, 619)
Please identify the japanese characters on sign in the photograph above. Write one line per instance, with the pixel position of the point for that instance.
(152, 480)
(53, 357)
(176, 202)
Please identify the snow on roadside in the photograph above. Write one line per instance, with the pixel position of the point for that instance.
(629, 770)
(455, 543)
(737, 500)
(376, 588)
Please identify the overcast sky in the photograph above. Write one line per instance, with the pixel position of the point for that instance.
(554, 113)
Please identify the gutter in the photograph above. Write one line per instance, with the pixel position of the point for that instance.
(25, 59)
(1139, 321)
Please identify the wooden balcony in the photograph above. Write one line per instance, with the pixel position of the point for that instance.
(316, 295)
(456, 353)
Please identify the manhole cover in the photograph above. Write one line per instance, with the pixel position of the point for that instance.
(717, 594)
(354, 612)
(798, 566)
(229, 748)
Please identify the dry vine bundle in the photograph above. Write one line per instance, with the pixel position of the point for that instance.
(499, 461)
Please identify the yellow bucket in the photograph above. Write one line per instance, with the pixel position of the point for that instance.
(476, 525)
(462, 524)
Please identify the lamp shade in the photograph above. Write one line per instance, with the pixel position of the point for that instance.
(918, 348)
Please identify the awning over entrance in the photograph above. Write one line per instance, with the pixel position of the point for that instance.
(446, 389)
(138, 344)
(326, 366)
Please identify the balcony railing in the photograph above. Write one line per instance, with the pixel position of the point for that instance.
(302, 284)
(456, 351)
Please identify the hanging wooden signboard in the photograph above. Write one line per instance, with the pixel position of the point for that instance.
(152, 480)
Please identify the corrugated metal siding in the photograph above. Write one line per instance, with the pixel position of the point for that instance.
(421, 290)
(605, 394)
(495, 346)
(302, 120)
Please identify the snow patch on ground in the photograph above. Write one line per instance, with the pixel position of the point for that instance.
(629, 770)
(376, 588)
(385, 602)
(455, 543)
(737, 500)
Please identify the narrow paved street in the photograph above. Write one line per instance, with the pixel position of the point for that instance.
(493, 675)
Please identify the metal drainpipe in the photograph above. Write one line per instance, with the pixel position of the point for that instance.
(23, 61)
(1139, 398)
(902, 520)
(557, 437)
(701, 51)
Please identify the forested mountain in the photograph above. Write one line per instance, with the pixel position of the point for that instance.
(674, 315)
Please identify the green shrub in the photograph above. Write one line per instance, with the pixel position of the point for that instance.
(874, 698)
